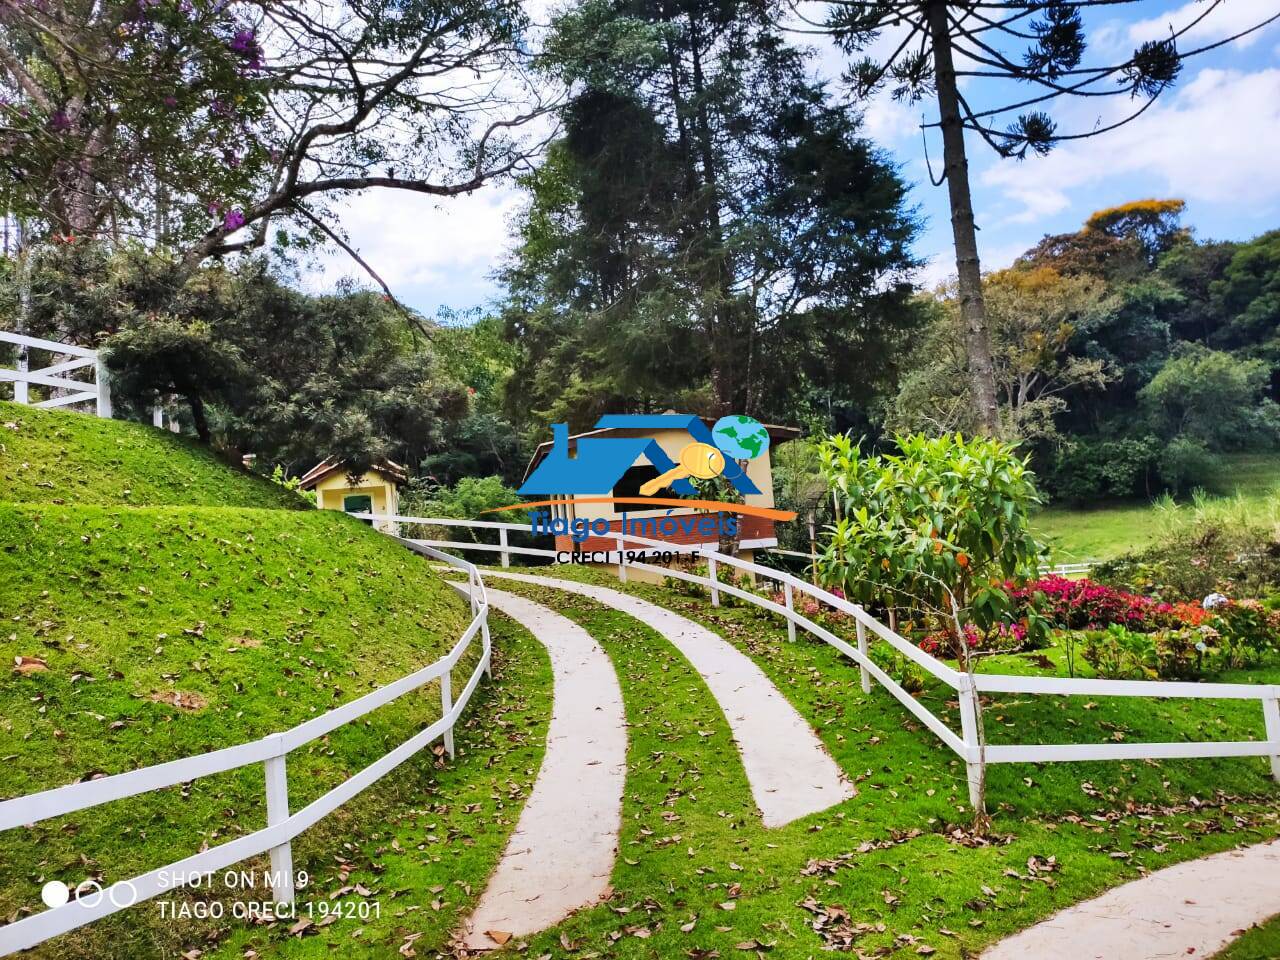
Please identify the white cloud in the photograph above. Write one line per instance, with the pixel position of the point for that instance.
(1225, 19)
(413, 240)
(888, 122)
(1037, 202)
(1215, 140)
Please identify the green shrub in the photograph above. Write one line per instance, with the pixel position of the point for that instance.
(1121, 654)
(937, 529)
(1248, 632)
(1087, 469)
(1186, 464)
(1212, 546)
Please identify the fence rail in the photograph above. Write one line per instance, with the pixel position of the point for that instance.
(97, 392)
(271, 751)
(967, 744)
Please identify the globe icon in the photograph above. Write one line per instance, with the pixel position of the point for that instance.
(741, 438)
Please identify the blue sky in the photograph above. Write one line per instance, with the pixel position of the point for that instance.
(1213, 140)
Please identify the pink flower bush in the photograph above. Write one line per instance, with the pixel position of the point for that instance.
(1086, 605)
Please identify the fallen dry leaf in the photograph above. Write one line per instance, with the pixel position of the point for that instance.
(182, 699)
(299, 928)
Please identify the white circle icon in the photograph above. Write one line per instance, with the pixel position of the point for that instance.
(128, 892)
(89, 893)
(55, 893)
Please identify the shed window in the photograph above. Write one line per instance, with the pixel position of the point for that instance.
(359, 503)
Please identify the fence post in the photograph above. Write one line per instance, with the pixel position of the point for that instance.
(104, 387)
(278, 811)
(1271, 715)
(791, 624)
(969, 708)
(622, 562)
(502, 541)
(711, 572)
(446, 704)
(20, 386)
(862, 649)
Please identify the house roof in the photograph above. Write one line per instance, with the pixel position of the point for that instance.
(608, 459)
(387, 469)
(622, 424)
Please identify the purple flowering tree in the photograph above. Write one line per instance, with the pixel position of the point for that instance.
(209, 126)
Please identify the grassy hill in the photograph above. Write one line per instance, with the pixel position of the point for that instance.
(50, 456)
(159, 604)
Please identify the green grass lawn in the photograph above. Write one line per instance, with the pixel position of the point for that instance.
(896, 870)
(54, 456)
(1102, 531)
(159, 604)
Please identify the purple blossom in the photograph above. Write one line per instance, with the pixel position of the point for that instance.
(234, 220)
(170, 101)
(244, 42)
(59, 122)
(214, 208)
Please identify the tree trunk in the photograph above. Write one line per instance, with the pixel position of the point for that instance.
(956, 170)
(726, 379)
(198, 419)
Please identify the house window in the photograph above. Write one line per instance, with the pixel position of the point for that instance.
(359, 503)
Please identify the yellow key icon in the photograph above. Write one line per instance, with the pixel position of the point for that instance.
(697, 459)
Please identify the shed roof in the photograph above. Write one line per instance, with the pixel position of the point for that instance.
(387, 469)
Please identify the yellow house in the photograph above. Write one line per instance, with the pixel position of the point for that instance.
(376, 491)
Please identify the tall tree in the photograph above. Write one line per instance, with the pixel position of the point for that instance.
(936, 44)
(711, 228)
(205, 123)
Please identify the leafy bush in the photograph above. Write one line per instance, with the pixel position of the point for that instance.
(1186, 464)
(469, 499)
(1085, 605)
(1088, 469)
(936, 529)
(1208, 547)
(1233, 635)
(1121, 654)
(1002, 636)
(1248, 632)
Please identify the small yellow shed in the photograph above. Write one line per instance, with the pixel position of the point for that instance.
(376, 491)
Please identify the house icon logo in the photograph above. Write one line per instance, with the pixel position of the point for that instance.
(593, 464)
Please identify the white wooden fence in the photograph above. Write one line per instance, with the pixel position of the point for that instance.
(1068, 569)
(967, 744)
(97, 392)
(271, 751)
